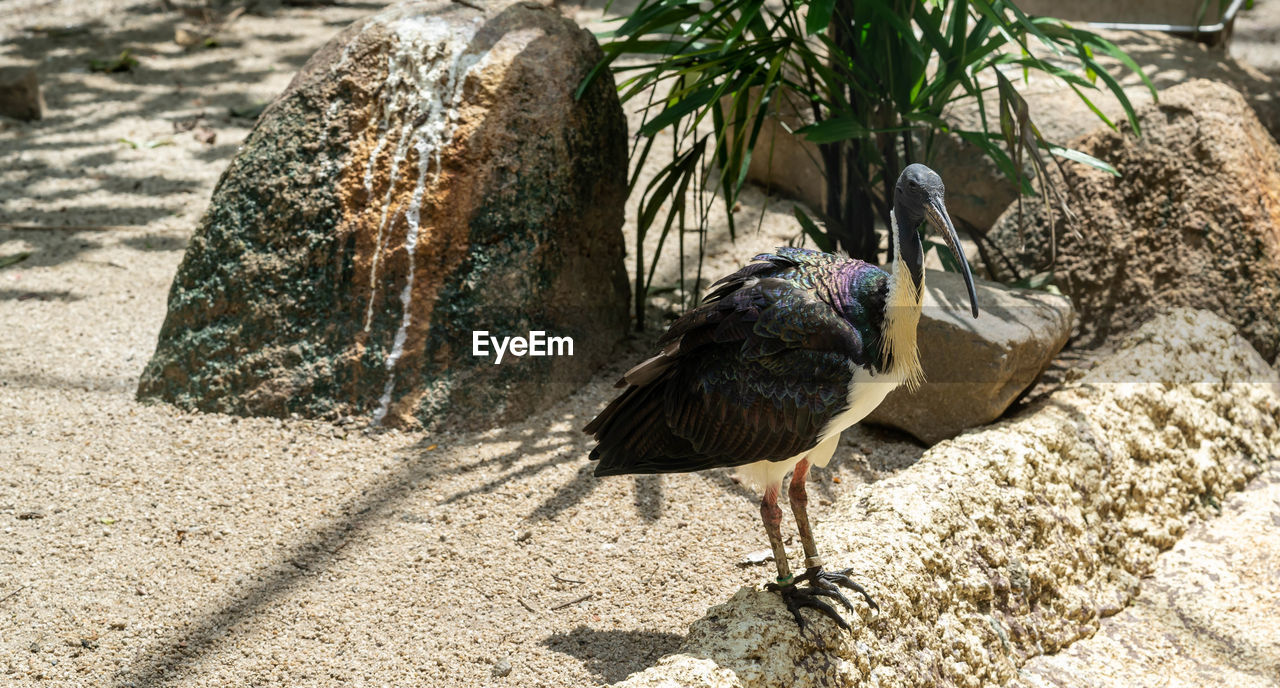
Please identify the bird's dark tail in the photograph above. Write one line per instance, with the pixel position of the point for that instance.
(627, 429)
(600, 425)
(635, 436)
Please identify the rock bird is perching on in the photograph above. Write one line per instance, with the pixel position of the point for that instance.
(779, 359)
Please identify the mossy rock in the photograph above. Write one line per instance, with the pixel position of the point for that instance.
(426, 175)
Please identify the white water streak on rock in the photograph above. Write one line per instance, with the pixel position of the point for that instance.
(394, 103)
(430, 120)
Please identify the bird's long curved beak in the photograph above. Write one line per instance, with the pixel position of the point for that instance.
(936, 214)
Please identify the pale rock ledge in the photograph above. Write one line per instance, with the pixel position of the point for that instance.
(1013, 541)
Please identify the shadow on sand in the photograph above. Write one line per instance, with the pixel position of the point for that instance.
(609, 655)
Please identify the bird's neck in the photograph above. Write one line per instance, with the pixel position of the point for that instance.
(902, 307)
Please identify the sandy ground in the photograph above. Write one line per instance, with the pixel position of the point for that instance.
(143, 546)
(1256, 36)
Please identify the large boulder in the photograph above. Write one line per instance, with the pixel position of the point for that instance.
(974, 369)
(426, 176)
(1016, 540)
(1192, 220)
(785, 163)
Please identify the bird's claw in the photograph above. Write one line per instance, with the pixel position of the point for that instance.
(797, 598)
(841, 578)
(821, 584)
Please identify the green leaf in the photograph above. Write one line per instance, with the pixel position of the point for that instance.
(154, 143)
(928, 118)
(749, 15)
(1093, 39)
(677, 111)
(6, 261)
(1078, 156)
(124, 63)
(1006, 165)
(1118, 91)
(683, 171)
(948, 259)
(819, 17)
(248, 111)
(811, 230)
(1040, 280)
(835, 130)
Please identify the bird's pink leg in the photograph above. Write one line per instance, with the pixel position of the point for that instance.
(771, 515)
(825, 583)
(800, 509)
(821, 583)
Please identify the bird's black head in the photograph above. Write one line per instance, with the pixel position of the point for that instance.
(918, 187)
(920, 197)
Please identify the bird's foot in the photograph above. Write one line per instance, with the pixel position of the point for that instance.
(821, 584)
(834, 580)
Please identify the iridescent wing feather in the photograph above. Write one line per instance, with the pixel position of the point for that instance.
(754, 373)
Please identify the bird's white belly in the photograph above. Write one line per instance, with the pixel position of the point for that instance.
(865, 393)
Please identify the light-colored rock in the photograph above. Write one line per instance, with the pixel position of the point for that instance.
(1193, 221)
(1013, 542)
(427, 175)
(1177, 13)
(675, 671)
(1255, 37)
(20, 96)
(1184, 12)
(1188, 13)
(785, 163)
(191, 36)
(974, 369)
(1206, 616)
